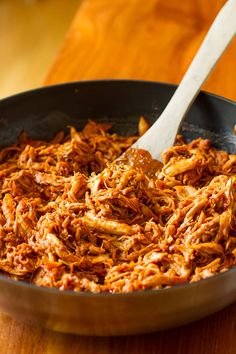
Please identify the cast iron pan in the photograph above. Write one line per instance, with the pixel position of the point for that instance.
(45, 111)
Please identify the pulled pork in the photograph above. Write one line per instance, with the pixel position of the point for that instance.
(72, 219)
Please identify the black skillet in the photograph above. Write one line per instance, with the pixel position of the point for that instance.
(44, 112)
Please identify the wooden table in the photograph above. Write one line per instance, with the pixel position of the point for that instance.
(141, 39)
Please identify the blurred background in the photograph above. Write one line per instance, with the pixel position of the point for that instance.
(31, 31)
(134, 39)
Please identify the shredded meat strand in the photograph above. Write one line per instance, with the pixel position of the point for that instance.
(72, 219)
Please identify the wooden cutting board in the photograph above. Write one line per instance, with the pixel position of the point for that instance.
(140, 39)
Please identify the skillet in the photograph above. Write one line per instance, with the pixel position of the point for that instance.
(45, 111)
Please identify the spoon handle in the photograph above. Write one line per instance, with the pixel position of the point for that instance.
(163, 132)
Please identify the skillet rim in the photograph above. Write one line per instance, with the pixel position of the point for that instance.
(35, 90)
(61, 293)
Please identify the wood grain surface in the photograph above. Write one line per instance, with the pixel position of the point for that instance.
(153, 40)
(213, 335)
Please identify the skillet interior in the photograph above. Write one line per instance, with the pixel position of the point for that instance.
(45, 111)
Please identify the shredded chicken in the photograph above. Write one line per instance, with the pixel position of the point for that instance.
(72, 219)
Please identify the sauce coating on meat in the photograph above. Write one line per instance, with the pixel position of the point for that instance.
(72, 219)
(141, 159)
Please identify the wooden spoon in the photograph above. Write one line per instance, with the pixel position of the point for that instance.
(163, 132)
